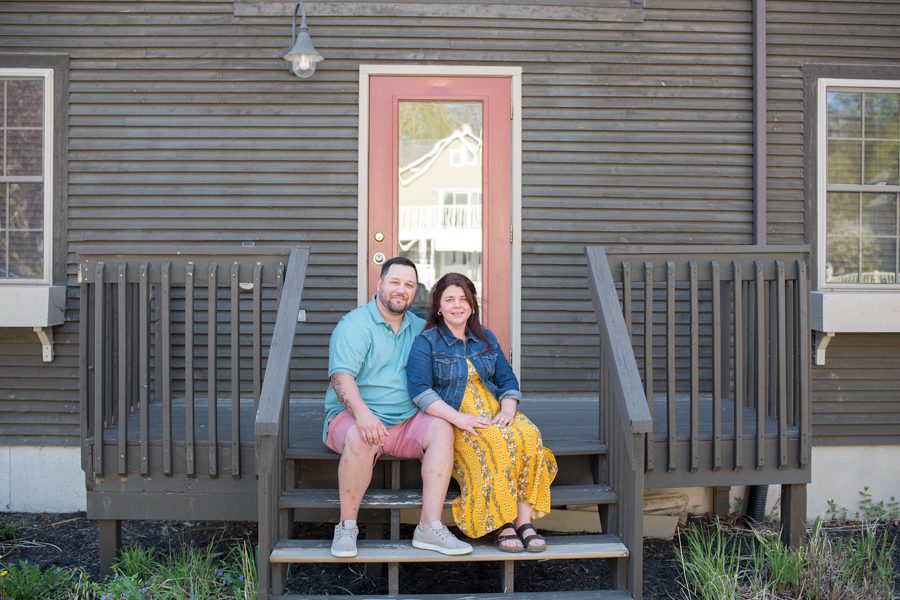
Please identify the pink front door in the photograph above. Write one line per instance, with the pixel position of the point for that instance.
(439, 184)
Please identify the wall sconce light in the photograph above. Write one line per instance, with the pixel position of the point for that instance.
(302, 56)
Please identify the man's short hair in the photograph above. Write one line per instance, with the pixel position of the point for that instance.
(398, 260)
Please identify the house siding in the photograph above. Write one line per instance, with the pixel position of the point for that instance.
(184, 126)
(856, 395)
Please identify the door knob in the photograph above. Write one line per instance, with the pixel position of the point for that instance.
(378, 258)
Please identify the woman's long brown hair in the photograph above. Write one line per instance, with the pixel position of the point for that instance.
(458, 279)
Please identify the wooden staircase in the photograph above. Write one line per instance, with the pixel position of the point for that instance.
(312, 456)
(297, 473)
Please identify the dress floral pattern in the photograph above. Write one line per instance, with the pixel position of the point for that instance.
(498, 467)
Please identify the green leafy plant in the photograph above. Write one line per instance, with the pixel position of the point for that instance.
(836, 512)
(25, 581)
(872, 511)
(7, 532)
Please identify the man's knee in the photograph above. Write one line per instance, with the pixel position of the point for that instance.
(439, 432)
(357, 448)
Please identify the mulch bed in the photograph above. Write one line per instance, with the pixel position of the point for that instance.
(71, 540)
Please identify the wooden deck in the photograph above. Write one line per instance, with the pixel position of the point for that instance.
(559, 419)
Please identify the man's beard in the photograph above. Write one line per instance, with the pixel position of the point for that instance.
(391, 303)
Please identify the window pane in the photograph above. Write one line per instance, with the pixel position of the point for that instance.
(844, 115)
(26, 254)
(3, 253)
(879, 214)
(844, 161)
(882, 163)
(2, 207)
(24, 152)
(883, 116)
(26, 102)
(26, 206)
(842, 265)
(842, 214)
(879, 260)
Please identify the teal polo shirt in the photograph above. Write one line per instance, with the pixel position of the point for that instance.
(365, 346)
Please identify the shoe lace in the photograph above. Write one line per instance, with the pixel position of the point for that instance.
(345, 532)
(442, 533)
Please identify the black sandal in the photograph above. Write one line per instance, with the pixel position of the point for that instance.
(528, 539)
(500, 538)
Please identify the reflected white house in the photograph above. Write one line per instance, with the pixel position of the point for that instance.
(441, 209)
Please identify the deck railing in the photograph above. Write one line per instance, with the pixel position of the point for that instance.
(164, 330)
(625, 421)
(722, 338)
(272, 422)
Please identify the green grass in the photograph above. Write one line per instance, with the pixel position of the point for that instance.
(141, 574)
(853, 566)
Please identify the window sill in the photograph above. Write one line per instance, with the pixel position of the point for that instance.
(855, 311)
(834, 312)
(32, 305)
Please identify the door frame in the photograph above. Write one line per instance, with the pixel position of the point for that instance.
(515, 75)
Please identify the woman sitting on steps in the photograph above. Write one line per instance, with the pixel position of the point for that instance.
(457, 371)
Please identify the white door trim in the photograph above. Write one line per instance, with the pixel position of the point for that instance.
(515, 74)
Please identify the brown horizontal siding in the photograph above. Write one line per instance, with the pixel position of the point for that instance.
(38, 400)
(856, 394)
(184, 126)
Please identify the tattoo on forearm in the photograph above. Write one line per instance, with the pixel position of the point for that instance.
(340, 391)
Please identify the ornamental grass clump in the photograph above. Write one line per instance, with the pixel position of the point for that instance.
(845, 564)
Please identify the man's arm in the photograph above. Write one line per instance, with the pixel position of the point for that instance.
(370, 427)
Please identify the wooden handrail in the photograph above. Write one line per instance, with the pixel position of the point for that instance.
(269, 425)
(635, 415)
(278, 366)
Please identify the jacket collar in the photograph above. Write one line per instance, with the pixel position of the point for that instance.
(451, 339)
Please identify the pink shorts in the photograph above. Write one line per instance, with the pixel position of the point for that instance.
(403, 441)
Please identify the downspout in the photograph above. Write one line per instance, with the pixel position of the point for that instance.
(760, 150)
(756, 497)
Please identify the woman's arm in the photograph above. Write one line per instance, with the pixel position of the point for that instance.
(462, 420)
(419, 374)
(507, 386)
(419, 382)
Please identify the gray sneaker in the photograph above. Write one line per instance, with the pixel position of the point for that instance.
(344, 543)
(438, 538)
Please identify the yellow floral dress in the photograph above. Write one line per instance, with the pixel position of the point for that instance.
(498, 467)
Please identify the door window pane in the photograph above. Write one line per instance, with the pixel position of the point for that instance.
(440, 186)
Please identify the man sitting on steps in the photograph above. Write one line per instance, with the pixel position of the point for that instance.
(368, 411)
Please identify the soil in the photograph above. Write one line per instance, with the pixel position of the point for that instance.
(71, 540)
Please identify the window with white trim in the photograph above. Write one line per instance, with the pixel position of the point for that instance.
(859, 184)
(26, 168)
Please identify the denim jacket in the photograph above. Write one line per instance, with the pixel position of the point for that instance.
(437, 370)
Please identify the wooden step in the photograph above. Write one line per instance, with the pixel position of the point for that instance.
(561, 495)
(314, 449)
(383, 551)
(585, 595)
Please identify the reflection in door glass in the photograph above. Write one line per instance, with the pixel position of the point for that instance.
(440, 187)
